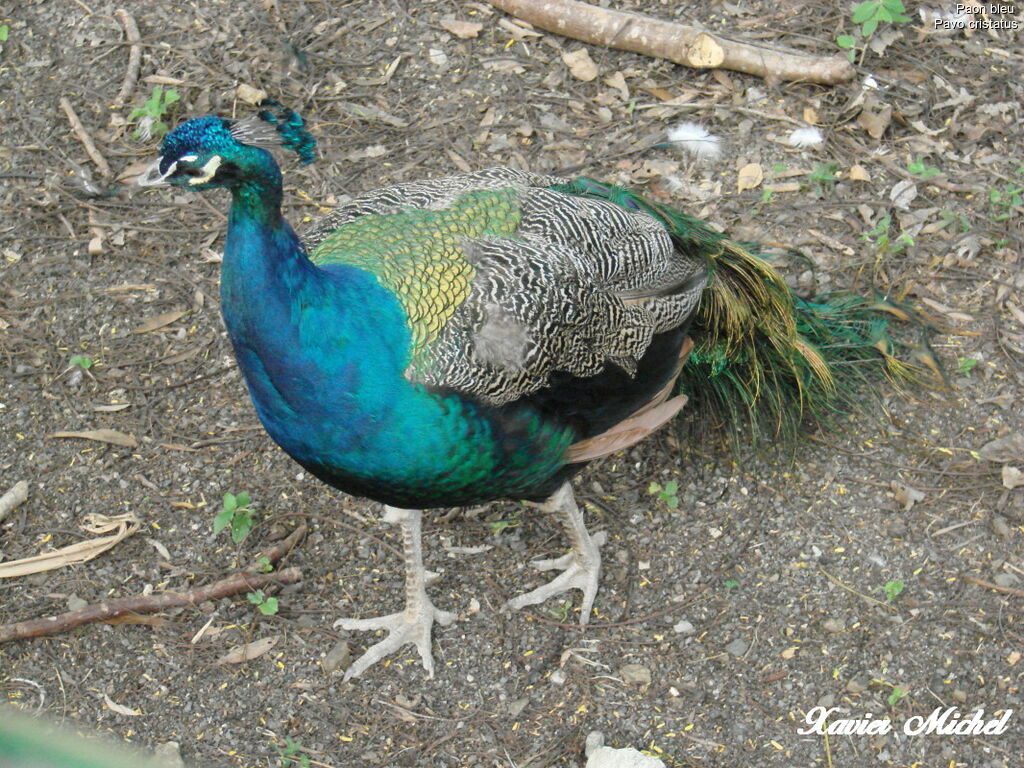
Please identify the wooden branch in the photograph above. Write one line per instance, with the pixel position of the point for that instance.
(993, 587)
(131, 77)
(681, 43)
(83, 136)
(244, 581)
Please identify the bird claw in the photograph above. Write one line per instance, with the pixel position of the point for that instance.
(404, 627)
(578, 572)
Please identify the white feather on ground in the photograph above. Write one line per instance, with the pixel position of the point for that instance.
(696, 140)
(805, 137)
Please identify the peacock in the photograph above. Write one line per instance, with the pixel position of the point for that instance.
(482, 336)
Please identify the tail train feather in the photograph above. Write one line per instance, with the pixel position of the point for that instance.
(766, 361)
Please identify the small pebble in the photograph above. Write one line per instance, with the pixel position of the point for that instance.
(737, 647)
(636, 674)
(75, 603)
(337, 658)
(835, 626)
(858, 685)
(1000, 526)
(959, 695)
(168, 755)
(684, 627)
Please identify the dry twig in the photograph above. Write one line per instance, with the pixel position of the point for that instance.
(82, 135)
(994, 587)
(245, 581)
(681, 43)
(131, 77)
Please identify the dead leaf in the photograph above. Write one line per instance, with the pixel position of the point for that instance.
(160, 321)
(138, 618)
(120, 709)
(243, 653)
(581, 66)
(520, 30)
(875, 118)
(859, 173)
(810, 115)
(462, 29)
(122, 526)
(1012, 477)
(790, 652)
(250, 95)
(903, 193)
(1005, 449)
(111, 436)
(111, 408)
(906, 495)
(618, 81)
(750, 177)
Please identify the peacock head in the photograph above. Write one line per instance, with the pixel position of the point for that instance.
(209, 152)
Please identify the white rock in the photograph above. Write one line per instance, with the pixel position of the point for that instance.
(606, 757)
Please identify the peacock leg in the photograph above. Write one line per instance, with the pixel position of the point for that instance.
(581, 567)
(414, 624)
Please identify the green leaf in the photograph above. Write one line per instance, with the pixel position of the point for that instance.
(895, 696)
(846, 41)
(82, 361)
(864, 11)
(3, 33)
(255, 597)
(240, 526)
(243, 499)
(966, 364)
(269, 606)
(220, 522)
(671, 487)
(868, 27)
(731, 584)
(230, 502)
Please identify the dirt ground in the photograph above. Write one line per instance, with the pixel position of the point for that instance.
(876, 570)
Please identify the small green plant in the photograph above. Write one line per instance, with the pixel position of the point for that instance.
(560, 610)
(823, 177)
(966, 365)
(1004, 202)
(731, 584)
(266, 605)
(892, 590)
(263, 565)
(4, 32)
(291, 755)
(868, 15)
(237, 514)
(668, 493)
(920, 168)
(82, 361)
(497, 526)
(896, 696)
(149, 117)
(879, 237)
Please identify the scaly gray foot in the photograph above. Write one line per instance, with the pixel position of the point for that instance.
(408, 626)
(580, 570)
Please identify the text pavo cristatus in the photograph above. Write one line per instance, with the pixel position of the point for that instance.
(479, 337)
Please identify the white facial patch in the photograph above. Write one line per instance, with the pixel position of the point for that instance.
(208, 170)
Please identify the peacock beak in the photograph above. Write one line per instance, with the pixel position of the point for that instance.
(152, 177)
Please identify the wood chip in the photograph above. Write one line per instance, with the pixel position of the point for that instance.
(581, 66)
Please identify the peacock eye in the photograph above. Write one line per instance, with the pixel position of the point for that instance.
(191, 170)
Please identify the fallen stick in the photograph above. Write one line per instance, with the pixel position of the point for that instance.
(244, 581)
(13, 499)
(993, 587)
(131, 77)
(681, 43)
(84, 137)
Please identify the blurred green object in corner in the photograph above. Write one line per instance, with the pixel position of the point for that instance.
(28, 742)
